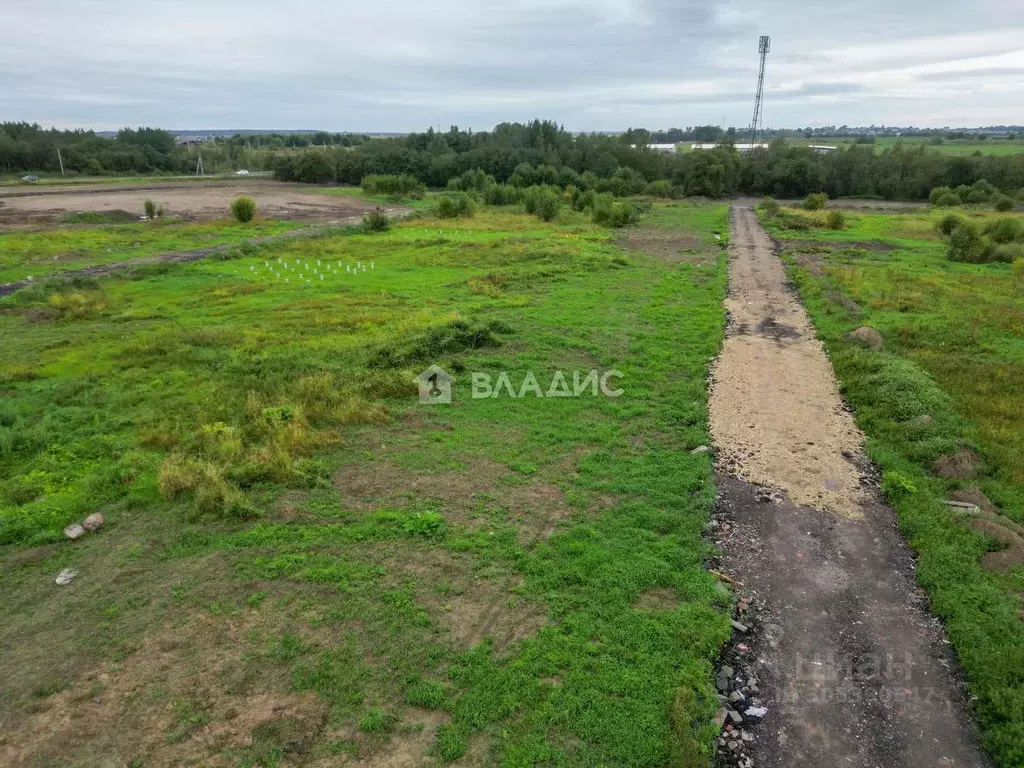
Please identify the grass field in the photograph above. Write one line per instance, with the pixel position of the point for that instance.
(301, 563)
(39, 253)
(946, 383)
(947, 147)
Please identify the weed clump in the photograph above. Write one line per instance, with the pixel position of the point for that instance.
(376, 221)
(454, 206)
(439, 342)
(815, 201)
(835, 220)
(949, 222)
(243, 209)
(608, 213)
(150, 209)
(769, 206)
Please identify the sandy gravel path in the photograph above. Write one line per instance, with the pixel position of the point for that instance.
(854, 670)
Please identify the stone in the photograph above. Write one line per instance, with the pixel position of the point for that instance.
(735, 717)
(739, 627)
(735, 696)
(720, 717)
(700, 449)
(867, 337)
(74, 531)
(66, 576)
(93, 522)
(727, 671)
(974, 496)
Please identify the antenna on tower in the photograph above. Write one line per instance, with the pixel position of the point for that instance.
(763, 46)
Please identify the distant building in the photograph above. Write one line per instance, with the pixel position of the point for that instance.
(738, 147)
(668, 148)
(822, 149)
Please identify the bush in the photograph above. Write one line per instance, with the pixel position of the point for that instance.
(948, 200)
(938, 193)
(393, 186)
(835, 220)
(582, 199)
(150, 208)
(962, 192)
(1003, 204)
(966, 244)
(815, 201)
(502, 194)
(949, 222)
(453, 206)
(608, 213)
(661, 188)
(476, 180)
(1017, 270)
(543, 202)
(243, 209)
(1010, 253)
(1004, 231)
(769, 206)
(376, 221)
(976, 197)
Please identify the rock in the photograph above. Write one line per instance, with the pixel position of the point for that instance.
(735, 696)
(962, 464)
(740, 627)
(733, 745)
(720, 717)
(727, 671)
(700, 449)
(93, 522)
(722, 683)
(66, 576)
(973, 496)
(867, 337)
(757, 711)
(74, 531)
(735, 717)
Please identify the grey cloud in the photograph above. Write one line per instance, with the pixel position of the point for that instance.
(592, 65)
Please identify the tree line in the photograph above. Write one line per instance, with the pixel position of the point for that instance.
(538, 152)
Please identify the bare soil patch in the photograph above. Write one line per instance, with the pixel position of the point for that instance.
(192, 201)
(671, 245)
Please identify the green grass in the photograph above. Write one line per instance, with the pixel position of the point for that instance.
(40, 253)
(953, 352)
(279, 501)
(959, 147)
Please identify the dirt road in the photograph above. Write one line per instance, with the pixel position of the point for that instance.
(853, 669)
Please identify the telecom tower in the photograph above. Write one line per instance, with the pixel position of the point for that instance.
(763, 46)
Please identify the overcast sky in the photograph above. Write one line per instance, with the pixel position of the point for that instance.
(397, 65)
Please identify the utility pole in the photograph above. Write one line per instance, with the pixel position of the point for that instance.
(763, 46)
(61, 161)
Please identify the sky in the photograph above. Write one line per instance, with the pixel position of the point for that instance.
(603, 65)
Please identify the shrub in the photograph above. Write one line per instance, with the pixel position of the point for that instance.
(661, 188)
(835, 220)
(948, 200)
(769, 206)
(160, 212)
(1017, 270)
(1003, 204)
(376, 221)
(582, 199)
(1010, 253)
(949, 222)
(243, 209)
(608, 213)
(502, 194)
(966, 244)
(815, 201)
(1004, 231)
(150, 208)
(962, 192)
(982, 188)
(543, 202)
(393, 186)
(938, 193)
(453, 206)
(976, 197)
(474, 180)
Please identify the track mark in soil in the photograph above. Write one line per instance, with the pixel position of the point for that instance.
(852, 668)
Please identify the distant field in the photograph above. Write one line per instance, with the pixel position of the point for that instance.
(49, 180)
(947, 147)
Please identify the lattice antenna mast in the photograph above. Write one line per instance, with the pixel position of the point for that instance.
(763, 46)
